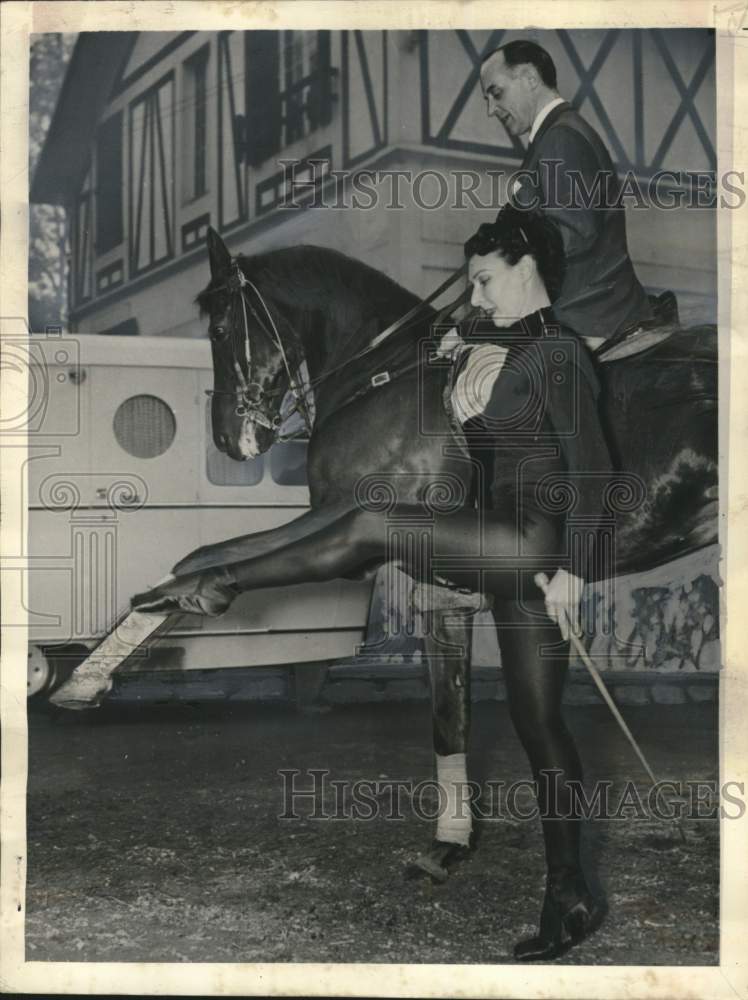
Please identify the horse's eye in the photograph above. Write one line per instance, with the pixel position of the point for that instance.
(219, 331)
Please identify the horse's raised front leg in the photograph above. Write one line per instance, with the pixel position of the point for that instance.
(259, 543)
(348, 544)
(329, 547)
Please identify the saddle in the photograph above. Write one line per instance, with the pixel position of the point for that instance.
(641, 336)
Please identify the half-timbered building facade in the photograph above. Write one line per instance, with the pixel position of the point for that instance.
(274, 138)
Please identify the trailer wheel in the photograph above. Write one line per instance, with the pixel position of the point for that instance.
(49, 668)
(39, 674)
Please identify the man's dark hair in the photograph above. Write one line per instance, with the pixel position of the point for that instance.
(521, 51)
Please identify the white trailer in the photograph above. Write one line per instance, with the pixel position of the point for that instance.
(124, 479)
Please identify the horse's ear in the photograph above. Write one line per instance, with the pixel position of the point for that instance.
(220, 258)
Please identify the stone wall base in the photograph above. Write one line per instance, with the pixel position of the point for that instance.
(357, 683)
(405, 682)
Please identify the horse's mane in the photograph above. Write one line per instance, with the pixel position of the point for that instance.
(320, 278)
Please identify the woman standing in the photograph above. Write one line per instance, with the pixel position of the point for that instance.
(526, 395)
(537, 435)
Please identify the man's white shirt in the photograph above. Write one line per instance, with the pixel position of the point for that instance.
(540, 117)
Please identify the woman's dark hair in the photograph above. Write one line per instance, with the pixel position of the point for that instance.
(522, 51)
(516, 233)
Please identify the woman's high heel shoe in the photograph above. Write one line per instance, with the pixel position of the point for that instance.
(565, 920)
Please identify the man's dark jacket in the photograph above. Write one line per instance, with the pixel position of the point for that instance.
(600, 293)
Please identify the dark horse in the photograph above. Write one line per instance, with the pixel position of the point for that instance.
(383, 439)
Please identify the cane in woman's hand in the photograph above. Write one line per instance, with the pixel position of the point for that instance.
(569, 633)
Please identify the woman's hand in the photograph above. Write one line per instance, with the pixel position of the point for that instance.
(563, 595)
(451, 344)
(208, 593)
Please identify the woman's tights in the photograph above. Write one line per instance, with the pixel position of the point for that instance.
(534, 684)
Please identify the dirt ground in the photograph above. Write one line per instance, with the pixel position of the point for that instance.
(154, 836)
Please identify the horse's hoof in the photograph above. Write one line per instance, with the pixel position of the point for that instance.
(440, 858)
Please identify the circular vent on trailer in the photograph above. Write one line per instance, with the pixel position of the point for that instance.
(144, 426)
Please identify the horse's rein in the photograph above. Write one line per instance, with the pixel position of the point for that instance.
(299, 395)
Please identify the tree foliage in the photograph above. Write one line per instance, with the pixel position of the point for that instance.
(50, 54)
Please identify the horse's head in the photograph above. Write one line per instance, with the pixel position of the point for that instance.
(252, 369)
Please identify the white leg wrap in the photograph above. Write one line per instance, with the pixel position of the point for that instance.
(455, 820)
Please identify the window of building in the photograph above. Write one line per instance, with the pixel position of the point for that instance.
(296, 57)
(231, 123)
(289, 89)
(109, 226)
(81, 270)
(152, 176)
(195, 125)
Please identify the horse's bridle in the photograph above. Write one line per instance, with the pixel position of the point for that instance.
(248, 404)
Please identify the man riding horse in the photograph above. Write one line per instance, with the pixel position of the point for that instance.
(568, 174)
